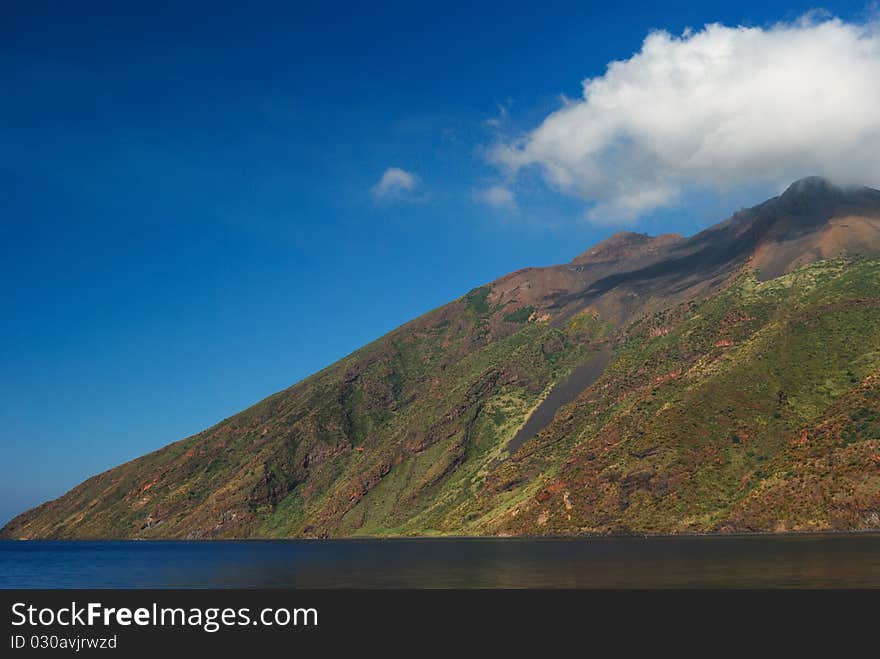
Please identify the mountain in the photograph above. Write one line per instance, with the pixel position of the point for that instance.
(728, 381)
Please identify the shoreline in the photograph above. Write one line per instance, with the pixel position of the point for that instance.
(513, 538)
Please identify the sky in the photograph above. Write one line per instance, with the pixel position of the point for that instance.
(202, 207)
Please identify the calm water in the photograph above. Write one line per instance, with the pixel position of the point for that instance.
(819, 561)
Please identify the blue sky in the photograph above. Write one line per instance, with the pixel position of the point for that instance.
(190, 218)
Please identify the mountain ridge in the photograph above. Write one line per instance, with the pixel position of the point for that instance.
(456, 421)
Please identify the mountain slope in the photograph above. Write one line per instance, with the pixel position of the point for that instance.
(652, 384)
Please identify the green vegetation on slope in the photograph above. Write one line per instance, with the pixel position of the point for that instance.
(699, 409)
(393, 439)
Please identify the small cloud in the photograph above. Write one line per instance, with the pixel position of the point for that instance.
(395, 183)
(497, 197)
(501, 118)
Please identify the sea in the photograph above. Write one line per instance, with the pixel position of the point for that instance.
(850, 560)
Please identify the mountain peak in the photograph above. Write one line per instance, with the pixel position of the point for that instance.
(624, 245)
(810, 185)
(817, 188)
(816, 192)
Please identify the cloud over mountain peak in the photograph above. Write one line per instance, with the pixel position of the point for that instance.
(716, 108)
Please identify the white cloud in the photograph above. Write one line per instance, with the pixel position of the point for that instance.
(501, 118)
(395, 184)
(716, 108)
(497, 196)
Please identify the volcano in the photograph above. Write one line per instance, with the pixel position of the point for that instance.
(723, 382)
